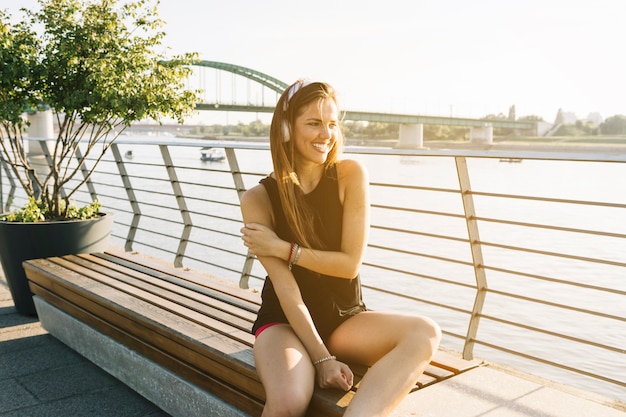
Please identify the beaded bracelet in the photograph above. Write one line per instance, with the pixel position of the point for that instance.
(327, 358)
(294, 261)
(290, 254)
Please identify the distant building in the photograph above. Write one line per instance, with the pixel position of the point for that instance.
(595, 118)
(543, 128)
(568, 118)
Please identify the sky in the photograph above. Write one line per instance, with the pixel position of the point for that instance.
(436, 57)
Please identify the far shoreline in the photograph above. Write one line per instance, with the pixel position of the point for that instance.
(612, 144)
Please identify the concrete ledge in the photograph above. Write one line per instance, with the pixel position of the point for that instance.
(491, 392)
(171, 393)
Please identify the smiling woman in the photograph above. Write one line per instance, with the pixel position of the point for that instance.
(308, 224)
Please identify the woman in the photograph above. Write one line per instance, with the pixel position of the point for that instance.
(308, 223)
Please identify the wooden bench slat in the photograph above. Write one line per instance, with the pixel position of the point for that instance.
(158, 267)
(130, 296)
(232, 303)
(445, 360)
(204, 305)
(248, 306)
(437, 372)
(326, 400)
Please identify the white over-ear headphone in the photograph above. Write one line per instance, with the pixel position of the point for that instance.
(290, 93)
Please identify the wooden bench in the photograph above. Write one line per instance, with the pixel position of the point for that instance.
(172, 327)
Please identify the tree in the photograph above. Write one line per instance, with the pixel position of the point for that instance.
(615, 125)
(532, 118)
(500, 116)
(99, 65)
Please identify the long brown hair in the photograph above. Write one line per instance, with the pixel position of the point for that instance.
(291, 104)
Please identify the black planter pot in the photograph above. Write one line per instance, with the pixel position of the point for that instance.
(23, 241)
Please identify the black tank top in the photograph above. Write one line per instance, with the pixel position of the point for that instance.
(330, 300)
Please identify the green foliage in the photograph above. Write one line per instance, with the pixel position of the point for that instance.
(447, 133)
(255, 128)
(18, 55)
(615, 125)
(371, 130)
(532, 117)
(38, 211)
(100, 65)
(86, 212)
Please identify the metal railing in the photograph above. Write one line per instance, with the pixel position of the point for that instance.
(519, 255)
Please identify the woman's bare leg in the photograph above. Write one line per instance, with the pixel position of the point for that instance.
(285, 371)
(397, 347)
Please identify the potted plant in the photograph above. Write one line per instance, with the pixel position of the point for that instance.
(98, 65)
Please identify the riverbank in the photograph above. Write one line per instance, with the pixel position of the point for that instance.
(545, 143)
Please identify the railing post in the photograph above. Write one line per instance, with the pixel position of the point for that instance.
(477, 256)
(182, 205)
(134, 224)
(241, 188)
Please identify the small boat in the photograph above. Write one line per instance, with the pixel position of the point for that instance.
(510, 159)
(212, 154)
(128, 154)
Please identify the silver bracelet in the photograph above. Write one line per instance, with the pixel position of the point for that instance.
(294, 255)
(327, 358)
(298, 253)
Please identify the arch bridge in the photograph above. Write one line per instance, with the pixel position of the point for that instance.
(230, 87)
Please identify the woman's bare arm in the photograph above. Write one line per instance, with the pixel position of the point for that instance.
(256, 208)
(354, 195)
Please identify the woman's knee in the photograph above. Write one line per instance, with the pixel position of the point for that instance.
(289, 397)
(433, 331)
(424, 333)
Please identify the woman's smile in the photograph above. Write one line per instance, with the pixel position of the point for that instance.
(322, 147)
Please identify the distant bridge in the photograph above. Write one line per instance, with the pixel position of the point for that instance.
(255, 92)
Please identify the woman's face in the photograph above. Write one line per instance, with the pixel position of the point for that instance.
(316, 130)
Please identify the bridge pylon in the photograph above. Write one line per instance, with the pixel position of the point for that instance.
(481, 135)
(411, 136)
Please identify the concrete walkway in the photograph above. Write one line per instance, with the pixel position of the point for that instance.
(41, 377)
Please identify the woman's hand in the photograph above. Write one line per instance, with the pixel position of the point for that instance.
(262, 241)
(334, 374)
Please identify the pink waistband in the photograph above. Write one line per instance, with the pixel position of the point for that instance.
(266, 326)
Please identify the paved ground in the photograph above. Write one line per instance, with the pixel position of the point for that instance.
(41, 377)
